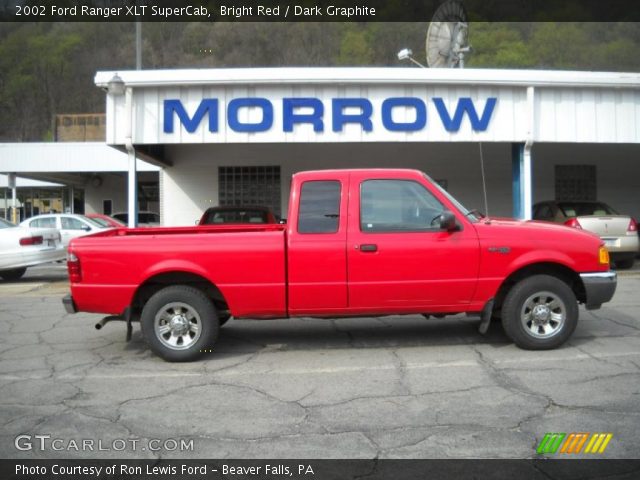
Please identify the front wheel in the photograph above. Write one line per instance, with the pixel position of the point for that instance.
(179, 323)
(540, 313)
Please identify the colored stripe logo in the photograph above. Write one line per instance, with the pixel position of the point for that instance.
(573, 443)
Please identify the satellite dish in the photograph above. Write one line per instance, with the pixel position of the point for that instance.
(447, 36)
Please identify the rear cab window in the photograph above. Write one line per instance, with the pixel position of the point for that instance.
(319, 210)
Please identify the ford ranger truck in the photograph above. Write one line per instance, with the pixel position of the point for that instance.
(357, 243)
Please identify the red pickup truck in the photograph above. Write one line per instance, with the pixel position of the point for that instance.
(357, 243)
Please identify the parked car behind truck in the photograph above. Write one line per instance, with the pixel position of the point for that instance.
(619, 232)
(22, 247)
(357, 243)
(236, 215)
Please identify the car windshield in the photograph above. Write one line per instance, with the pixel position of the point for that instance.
(91, 221)
(580, 209)
(101, 221)
(470, 214)
(6, 224)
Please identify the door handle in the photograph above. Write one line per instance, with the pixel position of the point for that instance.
(369, 247)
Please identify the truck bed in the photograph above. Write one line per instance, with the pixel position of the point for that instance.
(246, 262)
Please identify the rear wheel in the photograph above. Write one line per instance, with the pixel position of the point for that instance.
(624, 264)
(13, 274)
(179, 323)
(540, 313)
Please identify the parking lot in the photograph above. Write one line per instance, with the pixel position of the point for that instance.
(392, 387)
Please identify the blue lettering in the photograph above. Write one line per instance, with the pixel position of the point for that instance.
(238, 103)
(363, 118)
(207, 106)
(419, 106)
(465, 104)
(315, 117)
(289, 118)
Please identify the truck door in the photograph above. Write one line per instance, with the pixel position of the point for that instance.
(399, 260)
(317, 262)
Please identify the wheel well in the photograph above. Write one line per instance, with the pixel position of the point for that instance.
(561, 272)
(158, 282)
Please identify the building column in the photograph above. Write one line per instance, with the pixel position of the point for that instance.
(14, 198)
(71, 195)
(521, 181)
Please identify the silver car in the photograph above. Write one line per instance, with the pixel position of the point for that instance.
(70, 225)
(619, 232)
(22, 247)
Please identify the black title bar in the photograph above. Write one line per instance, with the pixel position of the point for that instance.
(314, 10)
(205, 469)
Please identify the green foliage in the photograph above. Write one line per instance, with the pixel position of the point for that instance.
(48, 68)
(355, 48)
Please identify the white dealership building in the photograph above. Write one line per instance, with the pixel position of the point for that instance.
(235, 136)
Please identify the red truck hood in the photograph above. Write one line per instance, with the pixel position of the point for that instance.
(536, 225)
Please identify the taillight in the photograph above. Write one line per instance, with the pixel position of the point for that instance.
(603, 255)
(573, 222)
(633, 226)
(37, 240)
(73, 267)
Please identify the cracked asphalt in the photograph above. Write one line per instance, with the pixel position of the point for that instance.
(392, 387)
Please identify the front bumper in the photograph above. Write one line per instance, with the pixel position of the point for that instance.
(599, 288)
(69, 305)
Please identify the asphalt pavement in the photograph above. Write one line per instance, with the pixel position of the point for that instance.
(391, 387)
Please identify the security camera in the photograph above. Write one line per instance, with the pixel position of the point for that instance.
(405, 54)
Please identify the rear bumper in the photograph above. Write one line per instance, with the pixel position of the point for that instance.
(599, 288)
(69, 305)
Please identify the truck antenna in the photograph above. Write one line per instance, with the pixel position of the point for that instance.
(484, 184)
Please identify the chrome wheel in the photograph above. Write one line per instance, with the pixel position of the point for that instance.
(177, 325)
(543, 315)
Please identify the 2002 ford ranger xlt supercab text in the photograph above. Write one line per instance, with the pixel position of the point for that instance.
(357, 243)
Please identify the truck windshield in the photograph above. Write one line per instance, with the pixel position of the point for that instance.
(471, 215)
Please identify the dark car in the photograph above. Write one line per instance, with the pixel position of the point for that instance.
(145, 219)
(237, 215)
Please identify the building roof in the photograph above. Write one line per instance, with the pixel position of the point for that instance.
(65, 157)
(388, 75)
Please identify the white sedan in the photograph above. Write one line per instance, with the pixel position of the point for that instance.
(70, 225)
(22, 247)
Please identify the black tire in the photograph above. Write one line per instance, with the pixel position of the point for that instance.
(540, 313)
(222, 319)
(13, 274)
(624, 264)
(171, 320)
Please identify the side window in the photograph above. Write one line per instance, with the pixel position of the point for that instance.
(319, 207)
(48, 222)
(69, 223)
(397, 206)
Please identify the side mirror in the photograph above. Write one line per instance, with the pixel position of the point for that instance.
(86, 228)
(448, 221)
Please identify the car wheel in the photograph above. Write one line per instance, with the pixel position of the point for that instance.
(624, 264)
(179, 323)
(540, 313)
(13, 274)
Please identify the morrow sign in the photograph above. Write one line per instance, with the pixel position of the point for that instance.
(311, 111)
